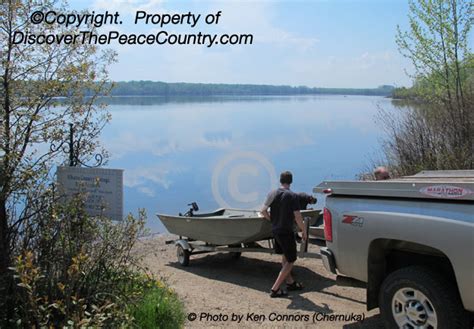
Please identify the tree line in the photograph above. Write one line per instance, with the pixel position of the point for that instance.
(157, 88)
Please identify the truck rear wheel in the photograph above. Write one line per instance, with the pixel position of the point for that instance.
(414, 297)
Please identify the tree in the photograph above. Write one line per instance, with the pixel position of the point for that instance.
(33, 76)
(436, 133)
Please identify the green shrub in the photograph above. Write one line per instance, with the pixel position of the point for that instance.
(159, 308)
(81, 271)
(75, 271)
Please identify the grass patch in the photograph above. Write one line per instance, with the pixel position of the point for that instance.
(159, 308)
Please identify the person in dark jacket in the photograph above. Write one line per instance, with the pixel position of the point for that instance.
(381, 173)
(305, 199)
(284, 211)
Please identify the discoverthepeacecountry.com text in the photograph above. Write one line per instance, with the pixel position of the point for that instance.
(82, 28)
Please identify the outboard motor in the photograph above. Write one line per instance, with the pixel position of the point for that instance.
(190, 212)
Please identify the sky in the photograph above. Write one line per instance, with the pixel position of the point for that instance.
(339, 43)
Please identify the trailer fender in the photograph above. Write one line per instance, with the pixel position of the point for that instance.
(184, 244)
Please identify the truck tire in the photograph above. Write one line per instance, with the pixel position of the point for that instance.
(415, 297)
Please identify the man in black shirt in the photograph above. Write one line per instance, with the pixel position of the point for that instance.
(284, 210)
(305, 200)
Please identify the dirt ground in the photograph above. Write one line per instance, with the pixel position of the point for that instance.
(220, 291)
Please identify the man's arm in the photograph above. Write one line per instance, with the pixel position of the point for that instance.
(299, 222)
(265, 213)
(266, 205)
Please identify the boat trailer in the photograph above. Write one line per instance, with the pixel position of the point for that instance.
(186, 247)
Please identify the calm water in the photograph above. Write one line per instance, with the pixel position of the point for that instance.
(228, 152)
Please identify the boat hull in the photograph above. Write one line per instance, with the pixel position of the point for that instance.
(229, 227)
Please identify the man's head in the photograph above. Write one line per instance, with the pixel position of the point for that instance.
(381, 173)
(286, 178)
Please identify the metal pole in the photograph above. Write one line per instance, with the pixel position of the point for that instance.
(71, 146)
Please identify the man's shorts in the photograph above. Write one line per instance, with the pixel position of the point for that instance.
(285, 244)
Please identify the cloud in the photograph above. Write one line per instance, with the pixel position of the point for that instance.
(147, 191)
(218, 139)
(289, 47)
(368, 60)
(367, 69)
(127, 142)
(205, 127)
(197, 63)
(192, 138)
(256, 17)
(280, 144)
(141, 177)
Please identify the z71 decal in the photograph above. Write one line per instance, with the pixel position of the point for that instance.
(445, 191)
(353, 220)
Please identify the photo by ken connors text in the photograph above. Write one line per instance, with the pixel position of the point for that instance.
(275, 317)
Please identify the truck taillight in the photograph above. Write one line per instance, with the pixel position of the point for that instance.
(327, 225)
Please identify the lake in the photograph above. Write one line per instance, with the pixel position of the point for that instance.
(229, 151)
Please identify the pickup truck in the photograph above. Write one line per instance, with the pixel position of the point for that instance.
(410, 240)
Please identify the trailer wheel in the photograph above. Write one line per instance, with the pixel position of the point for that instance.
(415, 297)
(183, 255)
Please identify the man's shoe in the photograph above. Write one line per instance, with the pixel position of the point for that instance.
(278, 293)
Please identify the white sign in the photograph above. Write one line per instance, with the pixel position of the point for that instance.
(103, 189)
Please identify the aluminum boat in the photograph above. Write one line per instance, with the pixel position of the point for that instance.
(225, 226)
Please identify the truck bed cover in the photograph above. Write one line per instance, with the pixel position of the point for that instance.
(440, 184)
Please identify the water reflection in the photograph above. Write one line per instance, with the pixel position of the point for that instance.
(171, 150)
(162, 100)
